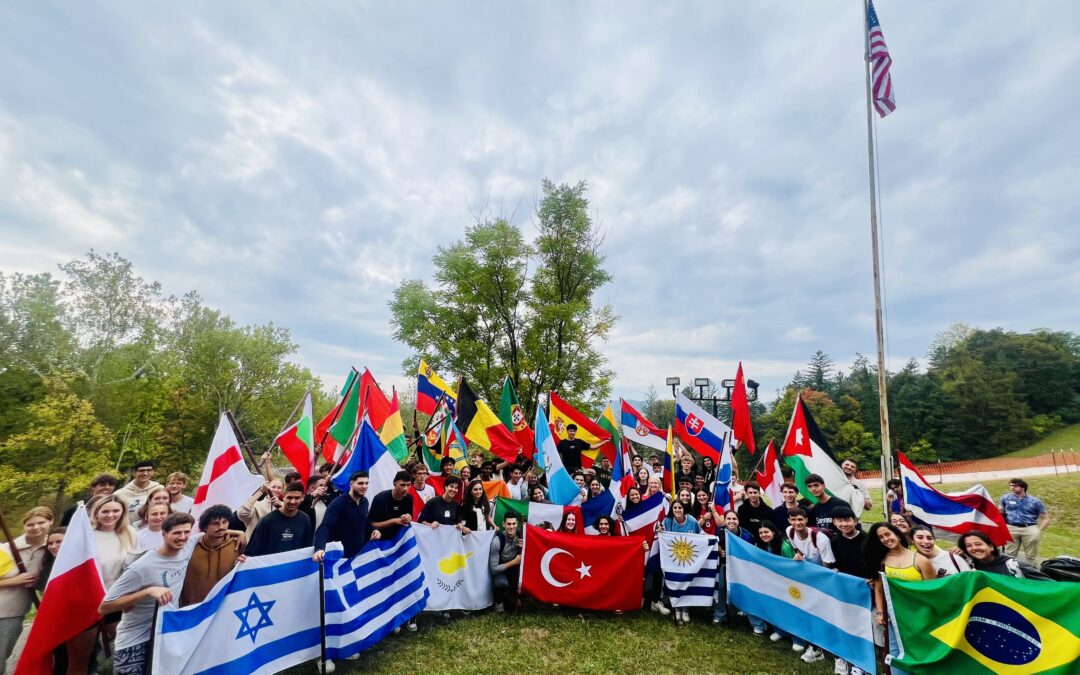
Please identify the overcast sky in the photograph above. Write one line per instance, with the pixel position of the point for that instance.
(294, 162)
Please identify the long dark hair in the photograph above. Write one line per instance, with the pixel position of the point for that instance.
(778, 538)
(468, 503)
(610, 522)
(874, 552)
(962, 543)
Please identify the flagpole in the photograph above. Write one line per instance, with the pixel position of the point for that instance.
(288, 422)
(350, 381)
(883, 399)
(244, 444)
(16, 558)
(322, 623)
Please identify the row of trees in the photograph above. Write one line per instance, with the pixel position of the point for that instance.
(98, 368)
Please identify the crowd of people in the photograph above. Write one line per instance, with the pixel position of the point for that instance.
(151, 551)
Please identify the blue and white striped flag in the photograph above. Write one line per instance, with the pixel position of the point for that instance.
(828, 609)
(371, 594)
(260, 618)
(689, 562)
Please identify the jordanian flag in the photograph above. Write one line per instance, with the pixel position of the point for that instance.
(977, 622)
(536, 513)
(297, 442)
(806, 451)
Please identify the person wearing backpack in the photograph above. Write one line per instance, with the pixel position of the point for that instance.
(811, 544)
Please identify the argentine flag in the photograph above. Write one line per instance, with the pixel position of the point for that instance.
(258, 619)
(561, 487)
(828, 609)
(369, 595)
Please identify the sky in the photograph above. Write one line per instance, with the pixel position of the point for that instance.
(294, 162)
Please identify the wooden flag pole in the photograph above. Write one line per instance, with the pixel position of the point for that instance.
(244, 444)
(288, 422)
(16, 557)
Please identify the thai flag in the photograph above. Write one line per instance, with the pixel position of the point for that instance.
(705, 434)
(959, 513)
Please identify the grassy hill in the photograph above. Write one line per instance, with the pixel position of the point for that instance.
(1066, 438)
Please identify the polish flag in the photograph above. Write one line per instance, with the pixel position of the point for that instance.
(225, 477)
(71, 600)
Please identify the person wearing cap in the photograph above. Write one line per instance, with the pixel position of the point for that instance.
(571, 447)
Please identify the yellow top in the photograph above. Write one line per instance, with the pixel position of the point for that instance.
(909, 573)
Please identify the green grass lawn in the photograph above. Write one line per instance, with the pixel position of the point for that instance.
(1066, 438)
(542, 639)
(1061, 494)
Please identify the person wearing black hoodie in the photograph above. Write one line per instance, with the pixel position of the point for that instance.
(848, 545)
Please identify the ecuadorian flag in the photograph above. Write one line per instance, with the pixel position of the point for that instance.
(979, 622)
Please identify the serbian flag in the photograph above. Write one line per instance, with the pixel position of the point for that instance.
(563, 414)
(481, 426)
(639, 429)
(740, 412)
(71, 599)
(297, 442)
(225, 477)
(429, 387)
(956, 512)
(771, 479)
(702, 432)
(601, 573)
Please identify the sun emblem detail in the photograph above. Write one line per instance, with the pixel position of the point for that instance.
(683, 551)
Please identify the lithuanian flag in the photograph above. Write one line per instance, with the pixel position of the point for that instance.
(481, 426)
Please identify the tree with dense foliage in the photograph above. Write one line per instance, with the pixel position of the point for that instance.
(500, 305)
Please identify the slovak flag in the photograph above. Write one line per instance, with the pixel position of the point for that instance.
(640, 430)
(705, 434)
(225, 477)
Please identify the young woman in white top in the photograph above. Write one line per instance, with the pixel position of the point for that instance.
(115, 540)
(945, 563)
(153, 515)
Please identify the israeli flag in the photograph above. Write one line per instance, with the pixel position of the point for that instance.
(828, 609)
(258, 619)
(371, 594)
(561, 487)
(689, 562)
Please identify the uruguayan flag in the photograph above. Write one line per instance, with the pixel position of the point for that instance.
(260, 618)
(828, 609)
(689, 562)
(371, 594)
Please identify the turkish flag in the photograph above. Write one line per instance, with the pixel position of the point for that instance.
(580, 570)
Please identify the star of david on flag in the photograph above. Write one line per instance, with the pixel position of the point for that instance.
(244, 614)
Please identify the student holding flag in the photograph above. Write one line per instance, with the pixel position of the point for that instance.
(886, 552)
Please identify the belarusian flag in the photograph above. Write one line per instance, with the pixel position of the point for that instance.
(806, 451)
(432, 442)
(393, 432)
(979, 622)
(536, 513)
(513, 418)
(297, 442)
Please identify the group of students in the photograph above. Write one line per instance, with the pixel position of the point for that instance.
(149, 550)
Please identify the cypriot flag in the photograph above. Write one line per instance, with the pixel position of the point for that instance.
(455, 567)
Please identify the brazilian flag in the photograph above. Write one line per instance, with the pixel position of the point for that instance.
(977, 622)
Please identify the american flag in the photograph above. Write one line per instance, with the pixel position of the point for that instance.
(880, 63)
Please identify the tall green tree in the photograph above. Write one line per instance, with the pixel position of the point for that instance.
(502, 306)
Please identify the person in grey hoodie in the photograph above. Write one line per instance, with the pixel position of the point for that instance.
(504, 558)
(138, 490)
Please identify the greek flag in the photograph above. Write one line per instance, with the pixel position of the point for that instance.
(827, 609)
(371, 594)
(258, 619)
(689, 562)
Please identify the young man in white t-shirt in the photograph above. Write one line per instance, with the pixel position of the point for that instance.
(811, 545)
(156, 578)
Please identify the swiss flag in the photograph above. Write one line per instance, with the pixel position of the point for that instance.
(71, 598)
(590, 572)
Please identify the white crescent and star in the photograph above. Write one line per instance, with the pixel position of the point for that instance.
(545, 568)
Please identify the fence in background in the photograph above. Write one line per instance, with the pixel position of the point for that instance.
(1053, 463)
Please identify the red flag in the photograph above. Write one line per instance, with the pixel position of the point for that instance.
(373, 401)
(71, 598)
(770, 479)
(740, 412)
(577, 570)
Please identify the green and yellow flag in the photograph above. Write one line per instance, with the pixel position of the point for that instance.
(977, 622)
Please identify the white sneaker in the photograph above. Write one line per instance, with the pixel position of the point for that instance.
(812, 654)
(776, 637)
(759, 631)
(659, 607)
(329, 667)
(841, 667)
(411, 626)
(797, 648)
(686, 616)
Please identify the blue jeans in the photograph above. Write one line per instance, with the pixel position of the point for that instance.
(720, 598)
(894, 650)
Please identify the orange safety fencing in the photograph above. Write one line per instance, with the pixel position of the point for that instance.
(1055, 462)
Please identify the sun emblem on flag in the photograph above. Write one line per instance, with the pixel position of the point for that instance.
(683, 551)
(794, 592)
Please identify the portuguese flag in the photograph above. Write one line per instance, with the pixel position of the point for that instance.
(393, 432)
(806, 451)
(297, 442)
(513, 418)
(536, 513)
(978, 622)
(480, 425)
